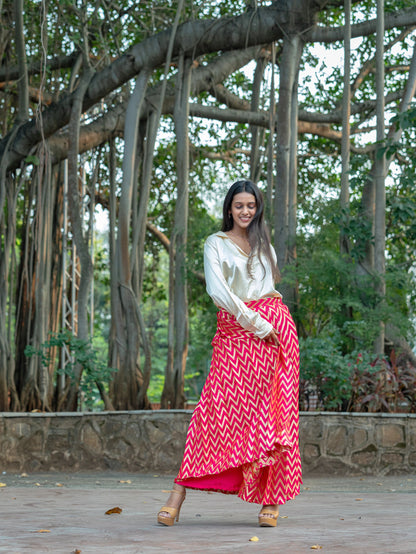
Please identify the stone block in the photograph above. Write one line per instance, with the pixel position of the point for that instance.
(18, 428)
(118, 448)
(60, 460)
(337, 441)
(58, 439)
(359, 438)
(310, 452)
(366, 457)
(133, 434)
(157, 431)
(33, 444)
(311, 428)
(412, 431)
(390, 434)
(392, 458)
(91, 440)
(412, 459)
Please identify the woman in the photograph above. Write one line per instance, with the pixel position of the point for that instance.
(243, 435)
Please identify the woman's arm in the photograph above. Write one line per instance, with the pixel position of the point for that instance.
(220, 292)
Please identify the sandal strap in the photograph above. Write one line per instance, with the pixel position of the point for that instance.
(182, 493)
(269, 512)
(169, 510)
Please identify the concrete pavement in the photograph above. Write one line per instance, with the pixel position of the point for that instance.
(65, 513)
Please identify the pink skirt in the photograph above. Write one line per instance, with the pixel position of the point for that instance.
(243, 437)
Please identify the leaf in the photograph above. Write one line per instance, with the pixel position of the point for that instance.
(316, 547)
(358, 499)
(3, 485)
(43, 531)
(32, 160)
(115, 510)
(254, 539)
(128, 481)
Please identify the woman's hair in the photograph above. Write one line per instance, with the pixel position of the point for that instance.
(258, 234)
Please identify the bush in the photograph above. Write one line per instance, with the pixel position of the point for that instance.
(356, 382)
(384, 386)
(324, 372)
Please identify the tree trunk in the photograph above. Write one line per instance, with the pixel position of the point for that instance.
(285, 196)
(379, 178)
(173, 392)
(124, 348)
(23, 81)
(346, 127)
(81, 241)
(7, 361)
(270, 143)
(257, 133)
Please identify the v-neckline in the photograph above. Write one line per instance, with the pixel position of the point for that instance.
(237, 245)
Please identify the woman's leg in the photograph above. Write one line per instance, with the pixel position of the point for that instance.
(170, 511)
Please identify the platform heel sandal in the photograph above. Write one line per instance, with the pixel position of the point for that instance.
(268, 517)
(173, 512)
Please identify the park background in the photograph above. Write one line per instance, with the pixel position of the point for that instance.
(140, 115)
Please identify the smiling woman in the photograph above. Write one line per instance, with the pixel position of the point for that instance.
(243, 435)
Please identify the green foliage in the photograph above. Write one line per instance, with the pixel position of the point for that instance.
(324, 369)
(83, 353)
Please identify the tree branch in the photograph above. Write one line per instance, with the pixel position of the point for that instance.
(265, 25)
(403, 18)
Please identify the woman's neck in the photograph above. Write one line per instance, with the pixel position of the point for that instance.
(238, 233)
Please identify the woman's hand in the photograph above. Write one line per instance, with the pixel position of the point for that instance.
(273, 336)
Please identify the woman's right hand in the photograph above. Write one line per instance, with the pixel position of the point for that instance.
(273, 336)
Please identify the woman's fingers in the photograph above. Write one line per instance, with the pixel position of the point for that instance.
(273, 336)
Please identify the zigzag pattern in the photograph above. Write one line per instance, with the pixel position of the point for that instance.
(247, 419)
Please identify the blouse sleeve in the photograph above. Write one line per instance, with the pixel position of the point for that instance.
(222, 295)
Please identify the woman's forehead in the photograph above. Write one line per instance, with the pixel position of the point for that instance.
(245, 197)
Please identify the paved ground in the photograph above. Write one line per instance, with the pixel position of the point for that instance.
(61, 513)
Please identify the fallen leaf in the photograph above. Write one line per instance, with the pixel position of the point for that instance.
(24, 475)
(128, 481)
(115, 510)
(283, 517)
(254, 539)
(58, 484)
(77, 551)
(3, 485)
(43, 531)
(316, 547)
(358, 499)
(37, 484)
(380, 484)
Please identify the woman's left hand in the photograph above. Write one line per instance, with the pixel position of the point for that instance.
(273, 336)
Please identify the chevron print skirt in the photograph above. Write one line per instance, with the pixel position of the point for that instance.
(243, 435)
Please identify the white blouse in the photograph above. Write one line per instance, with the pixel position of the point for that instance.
(230, 285)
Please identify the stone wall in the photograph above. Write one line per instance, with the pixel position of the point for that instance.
(353, 443)
(334, 443)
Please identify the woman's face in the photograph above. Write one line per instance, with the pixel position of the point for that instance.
(243, 209)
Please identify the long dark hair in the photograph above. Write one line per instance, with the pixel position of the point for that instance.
(258, 234)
